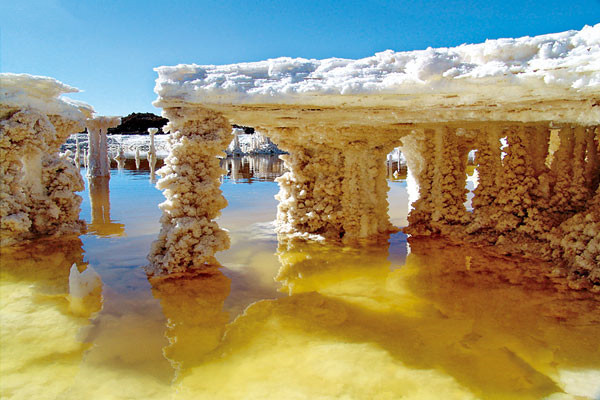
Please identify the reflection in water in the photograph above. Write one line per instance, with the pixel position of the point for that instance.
(40, 341)
(452, 322)
(253, 167)
(192, 302)
(101, 224)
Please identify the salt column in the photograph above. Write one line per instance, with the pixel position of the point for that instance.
(120, 158)
(98, 161)
(152, 152)
(77, 152)
(137, 158)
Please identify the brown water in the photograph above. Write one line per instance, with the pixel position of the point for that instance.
(401, 318)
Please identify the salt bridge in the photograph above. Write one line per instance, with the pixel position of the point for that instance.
(529, 107)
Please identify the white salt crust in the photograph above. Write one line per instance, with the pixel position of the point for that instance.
(562, 67)
(37, 185)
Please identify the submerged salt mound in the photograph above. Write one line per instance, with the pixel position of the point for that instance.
(37, 184)
(548, 66)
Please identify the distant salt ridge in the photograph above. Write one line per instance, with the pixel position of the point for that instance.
(23, 91)
(550, 66)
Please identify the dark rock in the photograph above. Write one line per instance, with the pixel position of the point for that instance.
(138, 124)
(247, 129)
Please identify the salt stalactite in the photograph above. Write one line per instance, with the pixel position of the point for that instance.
(577, 240)
(37, 184)
(85, 158)
(419, 150)
(101, 224)
(334, 189)
(137, 158)
(189, 236)
(438, 157)
(98, 161)
(523, 203)
(120, 158)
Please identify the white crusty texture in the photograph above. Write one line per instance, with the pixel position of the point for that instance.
(555, 66)
(37, 184)
(539, 198)
(336, 186)
(190, 182)
(98, 160)
(20, 91)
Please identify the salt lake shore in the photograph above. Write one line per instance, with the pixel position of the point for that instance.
(528, 107)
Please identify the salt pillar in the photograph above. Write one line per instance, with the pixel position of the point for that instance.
(137, 158)
(190, 182)
(98, 161)
(37, 184)
(120, 158)
(77, 152)
(151, 156)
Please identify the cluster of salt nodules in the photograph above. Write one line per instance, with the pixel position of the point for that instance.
(189, 236)
(37, 184)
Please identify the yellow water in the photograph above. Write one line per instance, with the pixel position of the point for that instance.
(286, 320)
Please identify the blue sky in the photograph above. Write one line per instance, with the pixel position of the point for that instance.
(108, 49)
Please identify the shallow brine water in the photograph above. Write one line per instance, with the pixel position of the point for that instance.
(399, 318)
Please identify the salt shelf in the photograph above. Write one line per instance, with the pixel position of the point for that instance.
(496, 80)
(529, 108)
(37, 184)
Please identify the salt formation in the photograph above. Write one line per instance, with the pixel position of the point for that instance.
(98, 160)
(339, 119)
(190, 182)
(85, 291)
(77, 152)
(120, 158)
(137, 158)
(37, 184)
(151, 156)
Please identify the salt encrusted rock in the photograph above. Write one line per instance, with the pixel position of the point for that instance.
(37, 184)
(190, 182)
